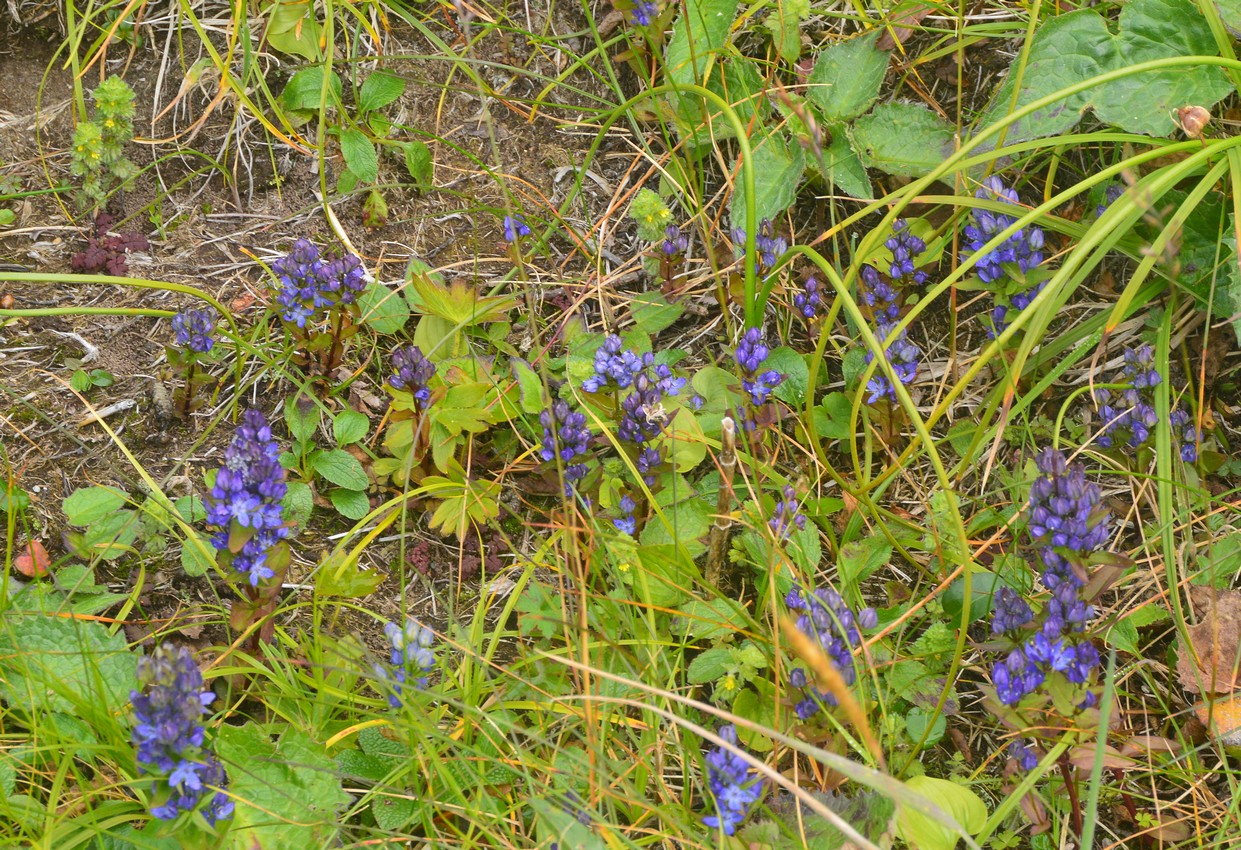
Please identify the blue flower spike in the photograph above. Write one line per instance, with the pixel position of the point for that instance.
(734, 784)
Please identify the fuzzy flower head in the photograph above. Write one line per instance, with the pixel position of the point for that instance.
(735, 786)
(168, 736)
(412, 371)
(411, 658)
(194, 329)
(311, 285)
(245, 500)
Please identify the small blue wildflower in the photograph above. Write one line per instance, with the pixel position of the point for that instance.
(807, 301)
(412, 371)
(626, 523)
(905, 247)
(759, 383)
(1065, 518)
(675, 242)
(1025, 756)
(788, 514)
(565, 435)
(1110, 196)
(825, 617)
(245, 502)
(769, 244)
(615, 366)
(644, 12)
(194, 329)
(168, 735)
(735, 786)
(411, 659)
(1129, 416)
(515, 228)
(310, 284)
(1016, 257)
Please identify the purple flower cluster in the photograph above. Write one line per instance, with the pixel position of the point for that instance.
(1129, 416)
(310, 284)
(735, 786)
(565, 436)
(1067, 522)
(901, 353)
(1110, 196)
(194, 329)
(769, 244)
(905, 247)
(759, 383)
(411, 658)
(168, 736)
(808, 300)
(824, 616)
(643, 417)
(644, 11)
(1014, 258)
(245, 501)
(515, 228)
(675, 242)
(412, 372)
(788, 514)
(1025, 755)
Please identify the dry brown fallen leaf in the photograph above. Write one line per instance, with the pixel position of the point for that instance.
(1209, 664)
(901, 25)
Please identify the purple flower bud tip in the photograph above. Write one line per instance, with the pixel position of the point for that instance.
(194, 329)
(515, 228)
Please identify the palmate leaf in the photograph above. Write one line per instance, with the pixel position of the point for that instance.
(457, 302)
(464, 501)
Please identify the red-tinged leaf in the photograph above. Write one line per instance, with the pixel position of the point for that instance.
(1140, 744)
(33, 562)
(1209, 663)
(1222, 717)
(1085, 756)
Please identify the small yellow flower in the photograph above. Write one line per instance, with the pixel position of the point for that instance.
(729, 683)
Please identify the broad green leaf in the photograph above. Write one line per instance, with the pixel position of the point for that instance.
(792, 366)
(709, 665)
(953, 799)
(759, 708)
(778, 169)
(708, 619)
(1124, 636)
(652, 313)
(983, 585)
(89, 505)
(667, 573)
(392, 812)
(917, 722)
(357, 764)
(380, 89)
(374, 209)
(903, 139)
(360, 155)
(384, 310)
(458, 303)
(349, 426)
(1230, 14)
(418, 163)
(287, 792)
(196, 562)
(342, 469)
(784, 24)
(847, 77)
(351, 504)
(80, 381)
(293, 28)
(466, 408)
(859, 559)
(701, 30)
(301, 417)
(529, 385)
(844, 170)
(1077, 46)
(837, 409)
(304, 91)
(687, 445)
(51, 663)
(297, 504)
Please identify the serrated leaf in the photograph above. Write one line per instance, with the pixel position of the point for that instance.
(792, 366)
(419, 165)
(778, 169)
(529, 385)
(301, 417)
(297, 504)
(1072, 48)
(355, 763)
(847, 77)
(859, 559)
(784, 24)
(903, 139)
(652, 313)
(699, 38)
(360, 155)
(709, 665)
(349, 426)
(89, 505)
(379, 89)
(385, 311)
(351, 504)
(342, 469)
(287, 792)
(953, 799)
(51, 663)
(304, 91)
(844, 170)
(392, 813)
